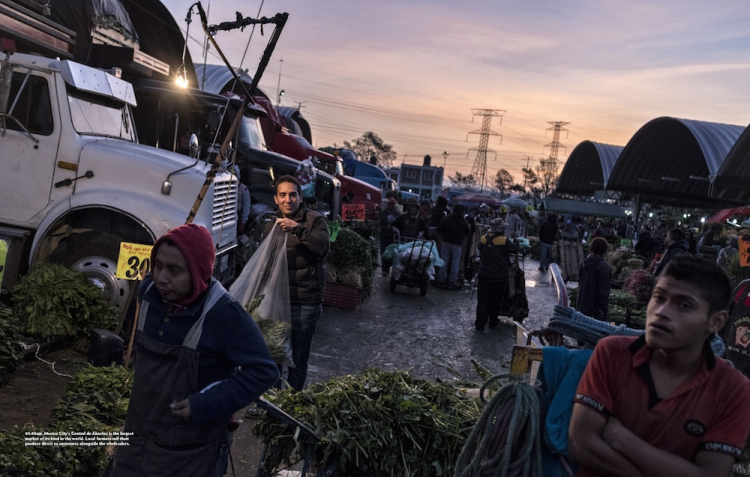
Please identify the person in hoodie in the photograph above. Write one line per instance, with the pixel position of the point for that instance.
(307, 247)
(492, 287)
(726, 253)
(454, 229)
(675, 246)
(594, 282)
(199, 359)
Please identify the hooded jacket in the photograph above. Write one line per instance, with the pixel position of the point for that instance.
(677, 248)
(453, 229)
(306, 251)
(593, 287)
(439, 211)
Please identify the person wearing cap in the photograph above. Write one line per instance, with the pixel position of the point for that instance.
(387, 216)
(493, 276)
(410, 224)
(199, 359)
(307, 246)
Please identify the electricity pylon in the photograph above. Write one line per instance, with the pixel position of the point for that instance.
(479, 170)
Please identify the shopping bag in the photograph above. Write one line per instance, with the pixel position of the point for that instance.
(263, 289)
(306, 174)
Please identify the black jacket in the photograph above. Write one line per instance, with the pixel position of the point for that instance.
(386, 222)
(437, 214)
(494, 253)
(306, 253)
(593, 287)
(409, 227)
(548, 232)
(672, 251)
(453, 228)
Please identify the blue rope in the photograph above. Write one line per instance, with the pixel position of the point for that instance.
(569, 322)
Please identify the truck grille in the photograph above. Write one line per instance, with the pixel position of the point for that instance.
(225, 203)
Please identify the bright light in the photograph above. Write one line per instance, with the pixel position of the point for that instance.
(703, 220)
(182, 82)
(650, 214)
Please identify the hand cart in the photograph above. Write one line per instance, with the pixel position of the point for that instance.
(414, 273)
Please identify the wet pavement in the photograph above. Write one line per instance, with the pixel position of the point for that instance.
(428, 335)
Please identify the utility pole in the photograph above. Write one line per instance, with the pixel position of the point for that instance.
(278, 84)
(479, 170)
(299, 105)
(525, 174)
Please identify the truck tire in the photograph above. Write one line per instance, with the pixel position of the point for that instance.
(95, 255)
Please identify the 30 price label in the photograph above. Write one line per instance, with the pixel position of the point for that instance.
(134, 261)
(352, 212)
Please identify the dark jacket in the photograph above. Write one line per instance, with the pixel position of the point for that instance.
(386, 222)
(645, 245)
(672, 251)
(305, 253)
(548, 232)
(494, 254)
(453, 228)
(438, 212)
(593, 287)
(736, 333)
(409, 227)
(230, 340)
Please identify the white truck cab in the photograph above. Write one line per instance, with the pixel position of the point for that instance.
(74, 182)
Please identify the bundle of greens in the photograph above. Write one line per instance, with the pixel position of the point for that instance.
(276, 333)
(53, 301)
(10, 350)
(349, 251)
(383, 423)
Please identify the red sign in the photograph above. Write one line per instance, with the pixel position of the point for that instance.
(351, 212)
(744, 250)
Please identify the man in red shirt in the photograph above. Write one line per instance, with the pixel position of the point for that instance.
(662, 404)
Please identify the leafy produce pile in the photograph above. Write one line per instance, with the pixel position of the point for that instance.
(640, 284)
(55, 302)
(350, 261)
(96, 400)
(276, 333)
(10, 350)
(385, 423)
(370, 231)
(619, 300)
(622, 264)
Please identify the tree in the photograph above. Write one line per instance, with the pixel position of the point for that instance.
(503, 181)
(518, 188)
(467, 181)
(371, 145)
(530, 178)
(546, 171)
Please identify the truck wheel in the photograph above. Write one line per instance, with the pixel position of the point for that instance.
(95, 255)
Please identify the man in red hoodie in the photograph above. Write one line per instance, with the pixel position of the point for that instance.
(199, 359)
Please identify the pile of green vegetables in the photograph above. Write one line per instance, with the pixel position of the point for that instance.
(96, 400)
(276, 333)
(53, 301)
(383, 423)
(619, 301)
(350, 252)
(10, 350)
(370, 231)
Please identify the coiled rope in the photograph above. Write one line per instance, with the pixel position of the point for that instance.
(506, 441)
(569, 322)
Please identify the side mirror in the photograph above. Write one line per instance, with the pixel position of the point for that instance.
(166, 187)
(195, 148)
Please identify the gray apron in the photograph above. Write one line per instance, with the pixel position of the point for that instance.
(164, 444)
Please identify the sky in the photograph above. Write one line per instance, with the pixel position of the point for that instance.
(412, 71)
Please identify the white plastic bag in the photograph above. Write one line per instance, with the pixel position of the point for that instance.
(306, 175)
(263, 289)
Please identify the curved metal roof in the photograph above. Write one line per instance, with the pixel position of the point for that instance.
(737, 163)
(588, 168)
(673, 158)
(218, 79)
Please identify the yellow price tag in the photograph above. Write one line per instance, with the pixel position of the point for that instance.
(529, 208)
(134, 261)
(3, 254)
(744, 250)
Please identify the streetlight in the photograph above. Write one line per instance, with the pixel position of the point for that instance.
(445, 156)
(278, 101)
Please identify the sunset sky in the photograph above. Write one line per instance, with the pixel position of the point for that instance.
(412, 71)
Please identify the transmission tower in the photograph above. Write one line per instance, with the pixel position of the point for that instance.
(479, 170)
(554, 146)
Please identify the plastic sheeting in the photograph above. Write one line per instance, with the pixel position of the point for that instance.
(414, 254)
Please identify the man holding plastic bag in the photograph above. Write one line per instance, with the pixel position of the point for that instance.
(307, 245)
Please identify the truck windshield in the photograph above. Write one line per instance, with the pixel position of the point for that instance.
(100, 116)
(251, 136)
(339, 168)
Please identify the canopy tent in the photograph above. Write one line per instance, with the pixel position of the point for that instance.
(473, 198)
(675, 161)
(514, 202)
(727, 214)
(581, 208)
(588, 168)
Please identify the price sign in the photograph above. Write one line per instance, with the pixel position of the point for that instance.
(529, 208)
(503, 209)
(351, 212)
(3, 254)
(744, 250)
(134, 261)
(626, 243)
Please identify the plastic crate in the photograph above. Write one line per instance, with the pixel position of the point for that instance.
(346, 297)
